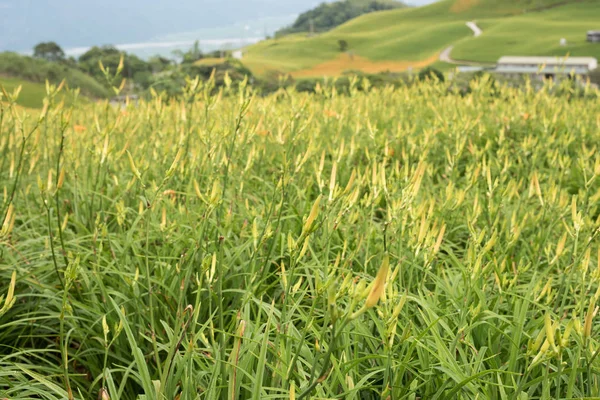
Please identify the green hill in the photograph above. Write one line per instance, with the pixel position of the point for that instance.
(498, 8)
(32, 73)
(327, 16)
(32, 94)
(397, 35)
(414, 37)
(536, 33)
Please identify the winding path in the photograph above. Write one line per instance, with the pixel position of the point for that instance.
(476, 30)
(445, 54)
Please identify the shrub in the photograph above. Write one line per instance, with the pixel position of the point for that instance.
(430, 73)
(273, 81)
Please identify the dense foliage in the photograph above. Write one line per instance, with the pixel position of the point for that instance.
(49, 51)
(134, 69)
(327, 16)
(431, 73)
(403, 243)
(172, 82)
(95, 70)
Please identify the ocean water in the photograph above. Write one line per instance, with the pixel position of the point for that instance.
(222, 38)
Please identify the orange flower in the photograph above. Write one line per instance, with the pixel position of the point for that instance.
(263, 132)
(170, 192)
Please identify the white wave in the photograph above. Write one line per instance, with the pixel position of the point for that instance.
(229, 43)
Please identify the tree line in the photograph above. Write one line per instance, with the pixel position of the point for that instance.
(327, 16)
(49, 61)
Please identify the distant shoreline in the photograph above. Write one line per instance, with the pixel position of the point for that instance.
(131, 47)
(151, 48)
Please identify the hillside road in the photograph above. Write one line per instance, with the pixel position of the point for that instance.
(445, 54)
(476, 30)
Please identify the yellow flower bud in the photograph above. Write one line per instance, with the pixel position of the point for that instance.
(549, 330)
(314, 212)
(587, 326)
(104, 394)
(379, 283)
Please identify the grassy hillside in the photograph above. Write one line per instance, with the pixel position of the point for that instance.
(407, 35)
(415, 37)
(33, 72)
(327, 16)
(32, 94)
(499, 8)
(535, 34)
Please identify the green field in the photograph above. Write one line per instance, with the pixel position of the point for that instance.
(535, 34)
(419, 34)
(32, 94)
(32, 73)
(390, 244)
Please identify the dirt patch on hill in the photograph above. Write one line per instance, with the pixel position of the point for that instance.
(347, 62)
(463, 5)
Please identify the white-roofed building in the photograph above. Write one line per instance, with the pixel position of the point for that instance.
(545, 67)
(593, 36)
(237, 54)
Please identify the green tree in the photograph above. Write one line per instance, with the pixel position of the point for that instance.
(329, 15)
(96, 53)
(431, 74)
(159, 63)
(343, 45)
(193, 55)
(134, 68)
(49, 51)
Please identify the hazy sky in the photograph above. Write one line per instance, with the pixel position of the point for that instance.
(81, 23)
